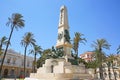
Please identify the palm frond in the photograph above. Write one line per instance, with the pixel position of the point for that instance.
(16, 21)
(101, 43)
(118, 49)
(28, 39)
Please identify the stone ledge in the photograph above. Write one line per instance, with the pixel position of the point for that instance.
(62, 76)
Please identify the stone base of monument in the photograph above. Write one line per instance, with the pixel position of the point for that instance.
(59, 69)
(30, 79)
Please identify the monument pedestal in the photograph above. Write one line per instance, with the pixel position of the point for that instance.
(59, 69)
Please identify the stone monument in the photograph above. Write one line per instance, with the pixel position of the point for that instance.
(61, 68)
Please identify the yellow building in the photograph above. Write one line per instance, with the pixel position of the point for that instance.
(13, 64)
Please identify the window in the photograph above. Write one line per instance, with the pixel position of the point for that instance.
(14, 60)
(87, 56)
(8, 60)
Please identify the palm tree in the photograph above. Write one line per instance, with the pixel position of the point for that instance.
(111, 59)
(16, 22)
(3, 41)
(28, 39)
(99, 45)
(77, 39)
(118, 49)
(37, 50)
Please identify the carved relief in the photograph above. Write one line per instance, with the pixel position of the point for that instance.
(67, 36)
(61, 16)
(60, 35)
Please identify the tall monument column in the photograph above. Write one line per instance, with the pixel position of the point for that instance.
(61, 68)
(63, 41)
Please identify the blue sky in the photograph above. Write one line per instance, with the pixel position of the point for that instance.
(94, 18)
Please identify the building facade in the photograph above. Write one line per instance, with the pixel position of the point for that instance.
(112, 72)
(109, 72)
(87, 56)
(13, 65)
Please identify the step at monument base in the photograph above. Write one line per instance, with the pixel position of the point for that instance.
(61, 76)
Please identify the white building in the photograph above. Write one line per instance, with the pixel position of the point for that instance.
(14, 64)
(87, 56)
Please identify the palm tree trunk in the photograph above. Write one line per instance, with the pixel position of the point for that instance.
(25, 61)
(34, 63)
(100, 68)
(1, 49)
(6, 51)
(77, 53)
(1, 46)
(77, 57)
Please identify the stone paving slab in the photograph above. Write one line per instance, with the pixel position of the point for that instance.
(12, 79)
